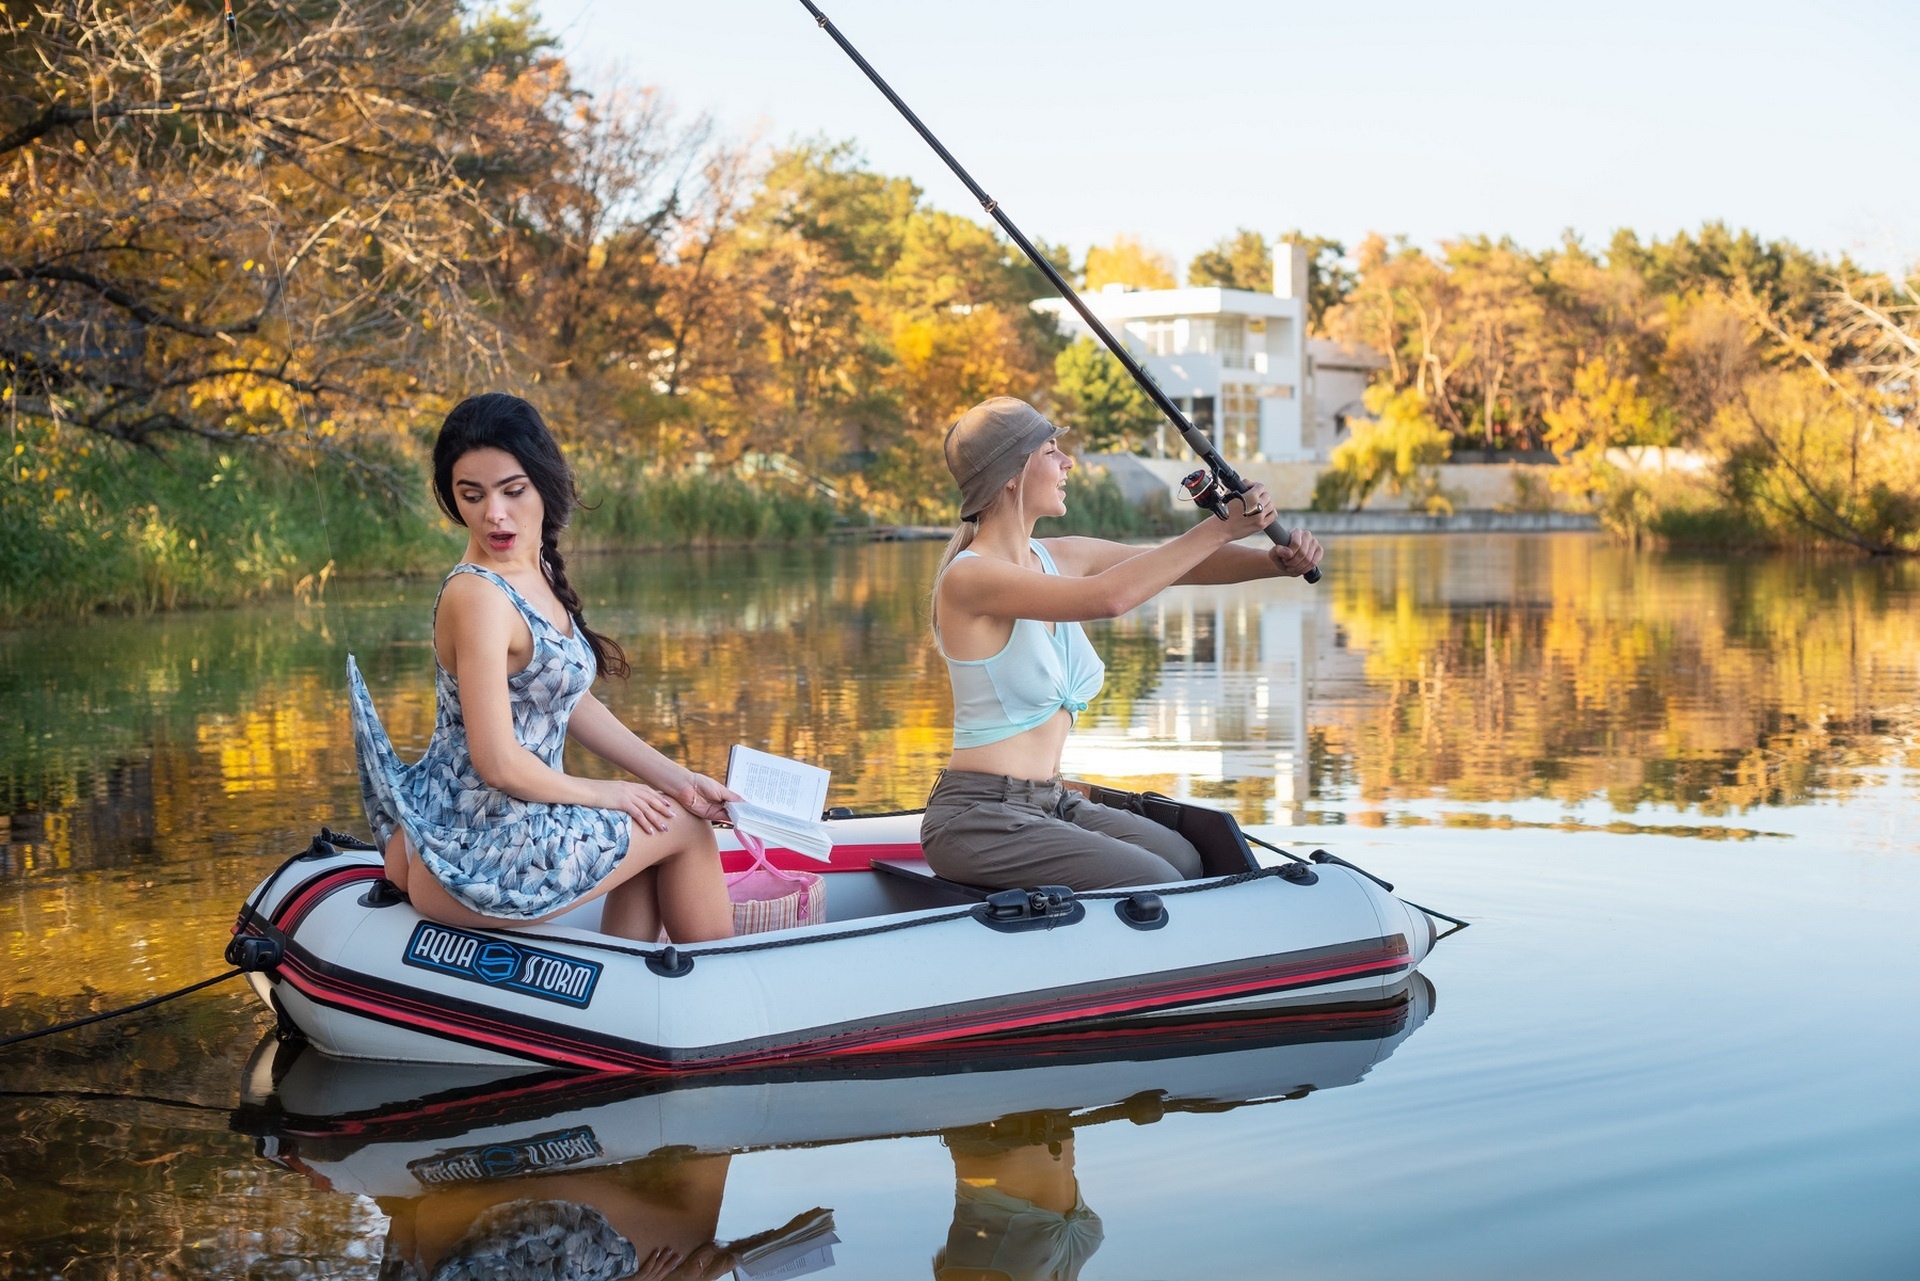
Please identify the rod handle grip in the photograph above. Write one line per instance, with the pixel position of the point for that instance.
(1284, 538)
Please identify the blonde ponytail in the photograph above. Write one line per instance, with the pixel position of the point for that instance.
(962, 539)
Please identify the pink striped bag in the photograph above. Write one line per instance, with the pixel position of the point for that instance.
(768, 898)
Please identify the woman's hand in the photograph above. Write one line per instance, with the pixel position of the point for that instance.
(705, 798)
(707, 1263)
(659, 1265)
(1249, 513)
(650, 810)
(1300, 553)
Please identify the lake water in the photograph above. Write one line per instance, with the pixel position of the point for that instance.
(1678, 798)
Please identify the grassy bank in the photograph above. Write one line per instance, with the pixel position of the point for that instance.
(87, 526)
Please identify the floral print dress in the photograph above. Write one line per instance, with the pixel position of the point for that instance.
(498, 854)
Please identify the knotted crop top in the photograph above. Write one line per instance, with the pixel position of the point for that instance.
(1035, 675)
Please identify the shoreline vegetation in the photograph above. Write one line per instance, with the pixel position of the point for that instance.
(243, 282)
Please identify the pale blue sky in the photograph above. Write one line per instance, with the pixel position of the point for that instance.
(1180, 121)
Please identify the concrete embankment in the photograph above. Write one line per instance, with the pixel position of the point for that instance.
(1346, 524)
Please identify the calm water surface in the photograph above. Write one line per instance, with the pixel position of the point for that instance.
(1677, 798)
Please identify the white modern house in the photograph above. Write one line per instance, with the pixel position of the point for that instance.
(1238, 362)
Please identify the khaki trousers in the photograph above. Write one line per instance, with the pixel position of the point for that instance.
(1009, 833)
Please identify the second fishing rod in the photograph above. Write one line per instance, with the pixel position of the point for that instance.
(1225, 481)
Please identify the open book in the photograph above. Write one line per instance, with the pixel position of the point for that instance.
(804, 1245)
(784, 800)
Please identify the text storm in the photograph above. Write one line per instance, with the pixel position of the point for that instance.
(499, 963)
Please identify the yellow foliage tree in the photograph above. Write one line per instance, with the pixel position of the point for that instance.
(1129, 262)
(1396, 448)
(1605, 410)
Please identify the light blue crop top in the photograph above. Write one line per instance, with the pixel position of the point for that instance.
(1035, 675)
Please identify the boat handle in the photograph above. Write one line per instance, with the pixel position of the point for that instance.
(1011, 911)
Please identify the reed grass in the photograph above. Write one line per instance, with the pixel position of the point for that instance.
(88, 526)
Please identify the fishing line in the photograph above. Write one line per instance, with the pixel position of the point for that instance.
(1196, 441)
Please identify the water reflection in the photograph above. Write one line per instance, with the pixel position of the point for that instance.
(1461, 679)
(150, 768)
(476, 1166)
(1017, 1210)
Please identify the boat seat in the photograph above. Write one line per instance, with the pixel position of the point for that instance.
(917, 872)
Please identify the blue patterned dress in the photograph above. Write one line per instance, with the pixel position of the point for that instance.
(498, 854)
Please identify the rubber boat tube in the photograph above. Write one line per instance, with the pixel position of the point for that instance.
(905, 962)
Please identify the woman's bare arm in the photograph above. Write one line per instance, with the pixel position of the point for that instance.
(595, 727)
(1235, 563)
(992, 588)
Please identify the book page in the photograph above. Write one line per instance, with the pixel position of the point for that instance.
(788, 787)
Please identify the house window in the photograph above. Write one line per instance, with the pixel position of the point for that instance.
(1156, 336)
(1240, 419)
(1200, 412)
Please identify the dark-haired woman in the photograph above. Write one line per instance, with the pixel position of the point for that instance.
(487, 829)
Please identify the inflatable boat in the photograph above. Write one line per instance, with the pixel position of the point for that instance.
(402, 1130)
(905, 961)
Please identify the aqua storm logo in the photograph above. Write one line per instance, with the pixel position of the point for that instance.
(509, 1159)
(502, 964)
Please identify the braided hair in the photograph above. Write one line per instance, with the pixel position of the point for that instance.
(499, 421)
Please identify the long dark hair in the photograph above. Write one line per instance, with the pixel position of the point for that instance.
(499, 421)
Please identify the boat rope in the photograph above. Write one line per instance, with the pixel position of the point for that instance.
(1269, 845)
(104, 1015)
(324, 845)
(889, 927)
(115, 1096)
(1454, 921)
(1321, 856)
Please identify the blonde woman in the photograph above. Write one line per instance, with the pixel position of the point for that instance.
(1007, 609)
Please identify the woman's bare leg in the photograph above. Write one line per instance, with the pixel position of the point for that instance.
(691, 888)
(395, 858)
(632, 908)
(687, 889)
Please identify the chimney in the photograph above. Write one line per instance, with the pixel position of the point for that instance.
(1289, 270)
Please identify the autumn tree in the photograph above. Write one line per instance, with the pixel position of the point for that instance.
(1243, 260)
(1128, 262)
(277, 238)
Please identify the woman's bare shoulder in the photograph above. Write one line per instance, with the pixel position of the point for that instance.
(474, 598)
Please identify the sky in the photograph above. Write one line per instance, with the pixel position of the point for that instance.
(1179, 122)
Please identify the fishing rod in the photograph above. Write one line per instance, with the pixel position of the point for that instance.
(1224, 481)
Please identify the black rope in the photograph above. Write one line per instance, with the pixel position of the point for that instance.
(115, 1096)
(1454, 921)
(1269, 845)
(147, 1004)
(651, 953)
(1191, 887)
(323, 845)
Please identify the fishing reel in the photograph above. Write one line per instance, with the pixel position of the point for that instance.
(1209, 491)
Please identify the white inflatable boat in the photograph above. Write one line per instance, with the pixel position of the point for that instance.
(402, 1130)
(905, 961)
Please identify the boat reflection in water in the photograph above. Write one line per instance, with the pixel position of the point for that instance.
(484, 1171)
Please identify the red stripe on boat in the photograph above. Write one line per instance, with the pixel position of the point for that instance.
(846, 858)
